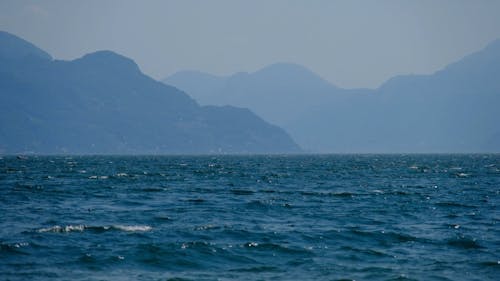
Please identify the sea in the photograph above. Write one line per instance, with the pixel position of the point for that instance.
(255, 217)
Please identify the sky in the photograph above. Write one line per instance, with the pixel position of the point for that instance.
(352, 44)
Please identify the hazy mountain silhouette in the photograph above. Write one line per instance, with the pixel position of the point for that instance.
(13, 47)
(278, 92)
(102, 103)
(453, 110)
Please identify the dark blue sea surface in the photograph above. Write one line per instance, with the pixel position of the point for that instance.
(330, 217)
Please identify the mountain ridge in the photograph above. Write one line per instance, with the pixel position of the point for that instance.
(14, 47)
(102, 103)
(450, 110)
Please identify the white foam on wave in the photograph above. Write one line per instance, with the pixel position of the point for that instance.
(22, 244)
(98, 177)
(133, 228)
(81, 228)
(67, 228)
(252, 244)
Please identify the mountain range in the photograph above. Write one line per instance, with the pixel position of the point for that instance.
(456, 109)
(102, 103)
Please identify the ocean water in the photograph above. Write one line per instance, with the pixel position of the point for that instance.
(324, 217)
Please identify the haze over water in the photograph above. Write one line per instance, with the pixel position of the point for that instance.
(226, 140)
(344, 217)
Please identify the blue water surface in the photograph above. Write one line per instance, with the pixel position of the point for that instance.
(311, 217)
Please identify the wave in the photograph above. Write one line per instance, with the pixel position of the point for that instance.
(81, 228)
(329, 194)
(14, 248)
(133, 228)
(464, 243)
(67, 228)
(453, 204)
(462, 175)
(257, 269)
(98, 177)
(242, 192)
(278, 249)
(360, 237)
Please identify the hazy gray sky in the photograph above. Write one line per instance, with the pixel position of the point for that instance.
(350, 43)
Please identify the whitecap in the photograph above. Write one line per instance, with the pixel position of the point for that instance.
(252, 244)
(205, 227)
(22, 244)
(59, 229)
(121, 174)
(133, 228)
(81, 228)
(98, 177)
